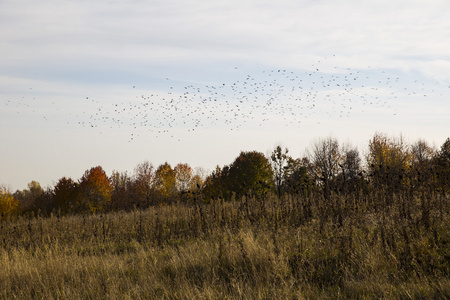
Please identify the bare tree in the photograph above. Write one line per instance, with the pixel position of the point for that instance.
(279, 160)
(422, 158)
(421, 152)
(325, 157)
(351, 171)
(143, 183)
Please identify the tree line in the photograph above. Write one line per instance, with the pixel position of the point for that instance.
(391, 166)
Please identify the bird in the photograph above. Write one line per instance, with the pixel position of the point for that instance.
(262, 98)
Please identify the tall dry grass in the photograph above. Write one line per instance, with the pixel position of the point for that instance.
(357, 246)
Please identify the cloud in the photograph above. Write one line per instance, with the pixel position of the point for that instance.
(256, 30)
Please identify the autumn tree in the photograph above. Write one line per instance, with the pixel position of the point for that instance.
(388, 159)
(8, 204)
(94, 191)
(165, 182)
(34, 198)
(65, 194)
(195, 193)
(198, 179)
(250, 172)
(215, 184)
(183, 176)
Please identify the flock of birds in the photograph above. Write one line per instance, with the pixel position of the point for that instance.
(276, 97)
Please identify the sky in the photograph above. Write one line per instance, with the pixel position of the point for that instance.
(117, 83)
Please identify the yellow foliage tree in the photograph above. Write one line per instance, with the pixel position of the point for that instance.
(214, 185)
(8, 204)
(183, 176)
(388, 161)
(165, 181)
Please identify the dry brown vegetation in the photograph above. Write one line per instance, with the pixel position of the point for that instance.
(366, 246)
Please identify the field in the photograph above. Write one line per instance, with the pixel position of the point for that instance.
(376, 246)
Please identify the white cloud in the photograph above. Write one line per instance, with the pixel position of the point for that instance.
(258, 30)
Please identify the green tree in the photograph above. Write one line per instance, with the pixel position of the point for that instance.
(215, 184)
(30, 198)
(442, 162)
(65, 194)
(250, 172)
(296, 176)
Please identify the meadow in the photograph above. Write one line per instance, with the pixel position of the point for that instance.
(377, 245)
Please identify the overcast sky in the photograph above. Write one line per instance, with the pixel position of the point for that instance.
(116, 83)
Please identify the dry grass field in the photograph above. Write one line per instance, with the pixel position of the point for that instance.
(377, 246)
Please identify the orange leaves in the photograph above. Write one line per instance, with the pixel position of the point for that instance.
(95, 190)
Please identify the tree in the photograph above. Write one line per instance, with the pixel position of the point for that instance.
(121, 195)
(442, 162)
(350, 177)
(165, 181)
(250, 172)
(296, 177)
(30, 198)
(351, 163)
(196, 183)
(8, 204)
(215, 184)
(198, 179)
(183, 176)
(143, 185)
(65, 194)
(95, 191)
(324, 162)
(422, 158)
(279, 160)
(388, 159)
(196, 186)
